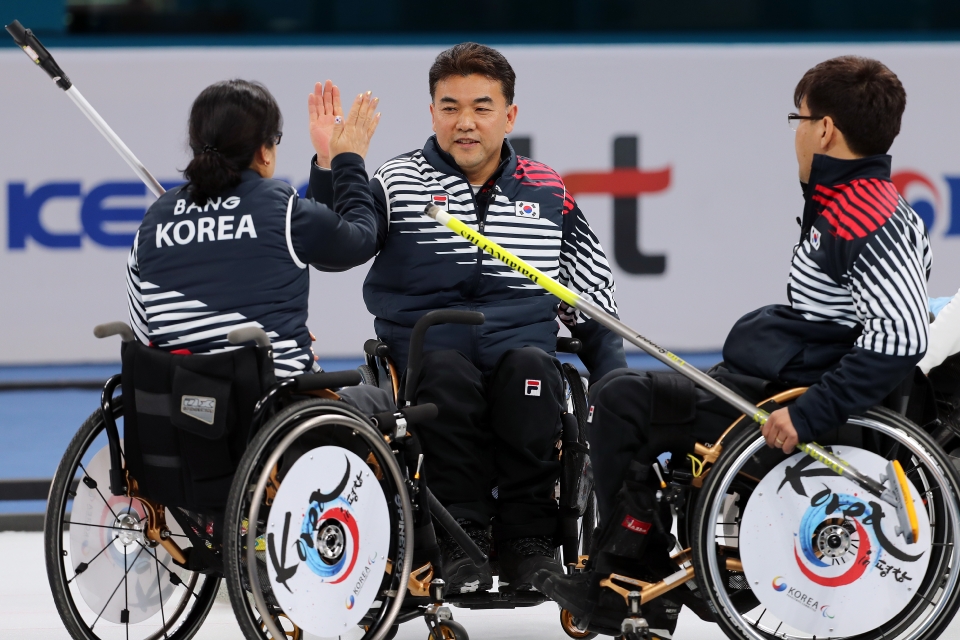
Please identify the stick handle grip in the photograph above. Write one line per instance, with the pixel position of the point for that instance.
(32, 46)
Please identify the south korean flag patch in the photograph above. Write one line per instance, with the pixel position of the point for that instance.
(528, 209)
(815, 238)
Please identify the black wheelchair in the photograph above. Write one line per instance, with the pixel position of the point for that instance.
(310, 509)
(769, 545)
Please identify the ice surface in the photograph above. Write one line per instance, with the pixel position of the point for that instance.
(27, 606)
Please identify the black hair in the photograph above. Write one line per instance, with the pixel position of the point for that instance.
(469, 57)
(229, 122)
(864, 98)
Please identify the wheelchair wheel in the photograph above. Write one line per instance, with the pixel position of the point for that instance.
(783, 547)
(577, 398)
(319, 527)
(449, 630)
(107, 579)
(368, 375)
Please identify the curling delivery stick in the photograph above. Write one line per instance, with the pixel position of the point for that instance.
(39, 54)
(898, 495)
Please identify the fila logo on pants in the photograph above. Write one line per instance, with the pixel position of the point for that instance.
(532, 388)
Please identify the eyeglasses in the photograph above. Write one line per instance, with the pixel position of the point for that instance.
(276, 138)
(794, 120)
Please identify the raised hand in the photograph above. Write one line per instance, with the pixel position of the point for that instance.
(353, 134)
(324, 107)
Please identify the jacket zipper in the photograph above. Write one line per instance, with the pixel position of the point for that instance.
(481, 219)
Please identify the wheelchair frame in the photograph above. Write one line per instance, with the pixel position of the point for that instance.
(424, 595)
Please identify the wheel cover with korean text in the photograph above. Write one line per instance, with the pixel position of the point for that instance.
(328, 535)
(822, 554)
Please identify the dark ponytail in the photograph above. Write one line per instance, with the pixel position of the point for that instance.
(229, 122)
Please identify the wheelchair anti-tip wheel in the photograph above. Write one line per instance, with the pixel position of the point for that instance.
(108, 579)
(784, 547)
(318, 527)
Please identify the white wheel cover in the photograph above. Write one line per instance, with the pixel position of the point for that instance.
(785, 546)
(329, 493)
(93, 540)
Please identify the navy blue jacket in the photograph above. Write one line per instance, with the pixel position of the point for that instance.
(857, 321)
(422, 266)
(199, 270)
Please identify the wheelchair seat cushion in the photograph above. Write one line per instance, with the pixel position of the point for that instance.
(187, 421)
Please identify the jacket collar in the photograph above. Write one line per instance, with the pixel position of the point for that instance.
(444, 162)
(829, 171)
(249, 174)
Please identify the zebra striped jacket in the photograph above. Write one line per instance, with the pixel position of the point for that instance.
(422, 266)
(857, 322)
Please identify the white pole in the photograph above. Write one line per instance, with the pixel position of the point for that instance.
(115, 141)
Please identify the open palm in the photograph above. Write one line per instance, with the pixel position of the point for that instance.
(324, 107)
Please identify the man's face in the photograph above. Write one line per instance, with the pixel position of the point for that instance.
(471, 119)
(807, 141)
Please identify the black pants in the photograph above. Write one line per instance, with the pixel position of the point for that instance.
(498, 430)
(627, 412)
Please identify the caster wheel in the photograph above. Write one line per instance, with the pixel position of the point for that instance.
(449, 630)
(571, 629)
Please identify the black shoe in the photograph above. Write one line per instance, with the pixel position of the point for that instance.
(522, 558)
(570, 592)
(459, 571)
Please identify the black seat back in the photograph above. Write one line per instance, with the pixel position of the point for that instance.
(187, 420)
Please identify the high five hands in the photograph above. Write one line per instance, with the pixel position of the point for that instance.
(331, 132)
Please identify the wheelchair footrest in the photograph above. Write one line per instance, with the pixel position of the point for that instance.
(496, 600)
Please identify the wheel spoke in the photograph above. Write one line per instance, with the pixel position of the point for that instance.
(122, 580)
(176, 579)
(97, 488)
(757, 623)
(106, 526)
(89, 563)
(126, 590)
(126, 604)
(163, 616)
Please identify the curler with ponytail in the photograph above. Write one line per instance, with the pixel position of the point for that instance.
(229, 122)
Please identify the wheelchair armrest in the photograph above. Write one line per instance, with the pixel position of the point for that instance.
(108, 329)
(327, 380)
(376, 349)
(569, 345)
(387, 421)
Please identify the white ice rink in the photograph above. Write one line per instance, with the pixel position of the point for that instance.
(27, 609)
